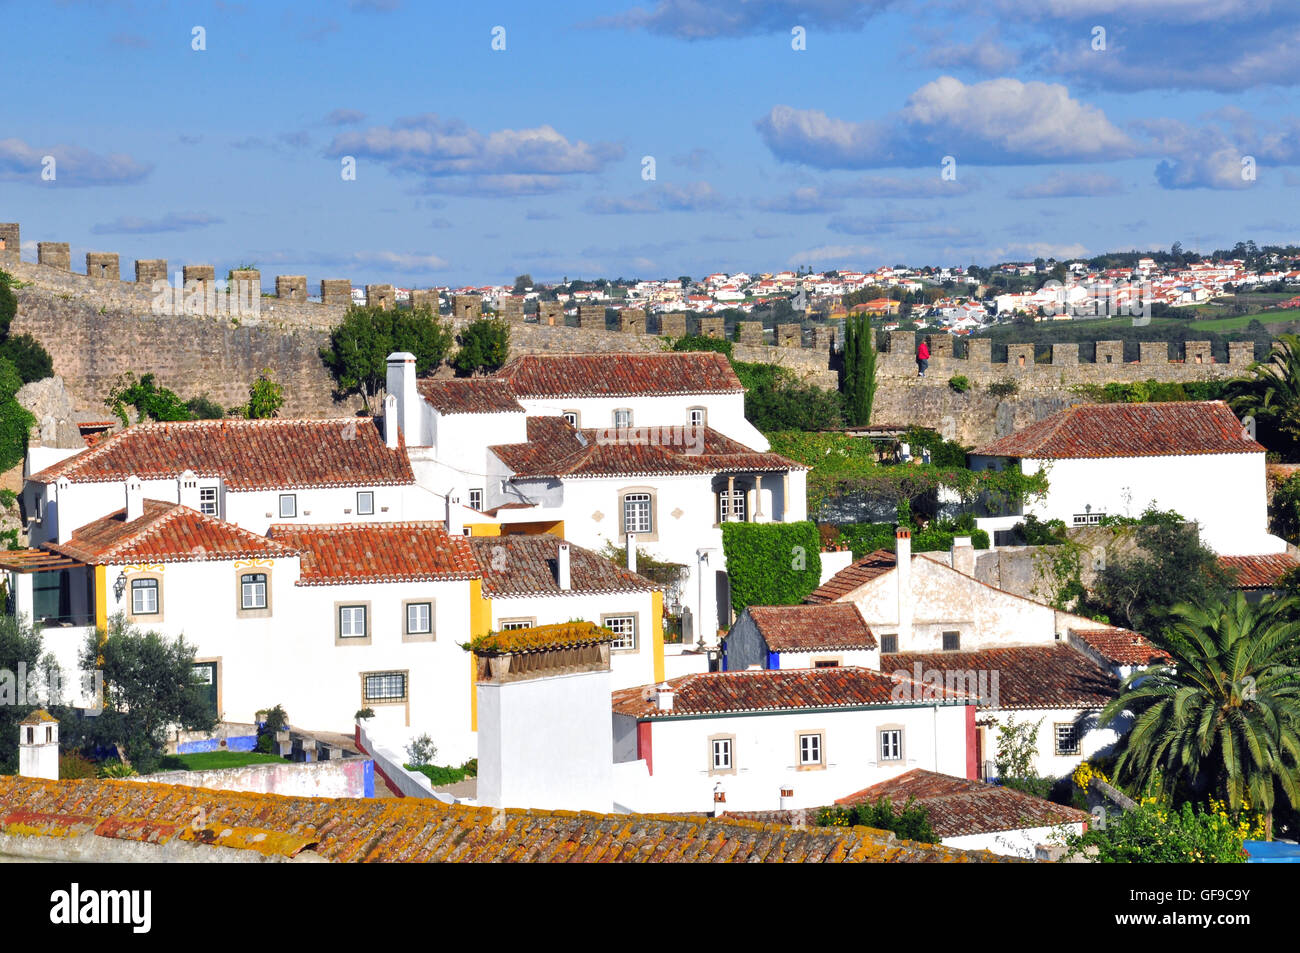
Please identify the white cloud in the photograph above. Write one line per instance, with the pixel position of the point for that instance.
(1070, 185)
(73, 165)
(172, 222)
(833, 254)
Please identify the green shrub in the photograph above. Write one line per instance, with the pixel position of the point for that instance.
(421, 751)
(16, 423)
(7, 497)
(366, 712)
(1003, 388)
(1153, 834)
(203, 408)
(911, 823)
(863, 538)
(32, 360)
(484, 346)
(116, 769)
(771, 564)
(440, 775)
(960, 383)
(74, 766)
(701, 342)
(1037, 533)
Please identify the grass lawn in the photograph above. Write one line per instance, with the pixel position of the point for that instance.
(1240, 321)
(207, 760)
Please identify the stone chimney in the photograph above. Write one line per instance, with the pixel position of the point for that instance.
(562, 573)
(134, 498)
(963, 555)
(631, 552)
(903, 577)
(38, 746)
(401, 384)
(455, 521)
(664, 697)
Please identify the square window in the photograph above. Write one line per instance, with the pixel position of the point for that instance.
(636, 513)
(624, 629)
(696, 416)
(810, 749)
(419, 618)
(252, 590)
(888, 644)
(352, 622)
(571, 416)
(144, 597)
(365, 503)
(476, 499)
(721, 748)
(826, 663)
(1067, 739)
(952, 641)
(623, 418)
(288, 506)
(891, 745)
(385, 687)
(208, 500)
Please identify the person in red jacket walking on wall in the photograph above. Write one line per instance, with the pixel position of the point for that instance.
(922, 358)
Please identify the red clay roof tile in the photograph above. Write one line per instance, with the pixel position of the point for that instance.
(525, 565)
(377, 552)
(1029, 676)
(852, 576)
(812, 628)
(1264, 571)
(1120, 646)
(621, 375)
(475, 395)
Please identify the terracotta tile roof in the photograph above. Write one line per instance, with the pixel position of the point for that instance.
(341, 553)
(794, 689)
(621, 375)
(247, 454)
(474, 395)
(1263, 571)
(812, 628)
(1030, 676)
(958, 807)
(1089, 431)
(167, 532)
(525, 566)
(373, 830)
(556, 449)
(852, 576)
(1120, 646)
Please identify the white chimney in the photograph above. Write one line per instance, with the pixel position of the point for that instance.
(187, 493)
(455, 521)
(401, 385)
(903, 576)
(38, 746)
(134, 498)
(390, 422)
(631, 552)
(787, 795)
(664, 696)
(963, 555)
(719, 800)
(562, 578)
(62, 522)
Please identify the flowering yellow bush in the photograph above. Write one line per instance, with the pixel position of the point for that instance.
(1084, 774)
(1249, 823)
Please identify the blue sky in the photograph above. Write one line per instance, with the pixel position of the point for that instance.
(474, 164)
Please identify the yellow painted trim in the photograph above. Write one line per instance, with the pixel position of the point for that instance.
(101, 597)
(480, 623)
(657, 633)
(484, 529)
(534, 528)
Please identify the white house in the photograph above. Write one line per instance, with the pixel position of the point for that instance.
(790, 738)
(1194, 457)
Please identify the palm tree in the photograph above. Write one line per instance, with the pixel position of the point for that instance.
(1271, 394)
(1222, 719)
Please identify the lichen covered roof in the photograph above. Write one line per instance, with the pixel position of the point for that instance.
(540, 638)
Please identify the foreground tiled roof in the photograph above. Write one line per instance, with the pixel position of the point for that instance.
(246, 454)
(377, 552)
(1128, 430)
(1033, 676)
(370, 830)
(1120, 646)
(958, 807)
(167, 532)
(556, 449)
(856, 574)
(812, 628)
(525, 566)
(621, 375)
(775, 690)
(475, 395)
(1264, 571)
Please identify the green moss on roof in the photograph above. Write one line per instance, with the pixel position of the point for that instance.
(538, 638)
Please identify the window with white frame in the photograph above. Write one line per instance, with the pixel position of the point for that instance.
(352, 622)
(624, 629)
(623, 418)
(419, 618)
(721, 754)
(891, 744)
(252, 590)
(731, 506)
(385, 687)
(144, 596)
(208, 500)
(571, 416)
(695, 416)
(810, 749)
(288, 505)
(1088, 519)
(636, 513)
(508, 624)
(476, 499)
(1067, 739)
(365, 502)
